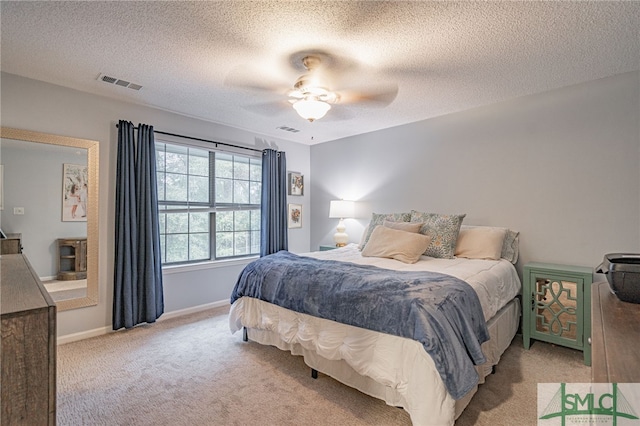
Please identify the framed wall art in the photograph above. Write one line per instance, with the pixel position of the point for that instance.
(74, 193)
(294, 218)
(296, 183)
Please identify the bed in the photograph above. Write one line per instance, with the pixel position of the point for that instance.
(395, 369)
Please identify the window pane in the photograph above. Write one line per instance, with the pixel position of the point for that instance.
(255, 192)
(198, 162)
(177, 248)
(242, 221)
(241, 243)
(199, 222)
(224, 190)
(224, 165)
(176, 187)
(163, 247)
(241, 168)
(255, 220)
(199, 246)
(224, 244)
(176, 159)
(255, 170)
(224, 221)
(241, 192)
(199, 189)
(255, 241)
(160, 182)
(162, 222)
(177, 223)
(160, 157)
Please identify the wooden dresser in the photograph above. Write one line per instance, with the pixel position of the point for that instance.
(28, 392)
(615, 337)
(11, 245)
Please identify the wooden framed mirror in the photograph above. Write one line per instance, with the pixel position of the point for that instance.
(47, 243)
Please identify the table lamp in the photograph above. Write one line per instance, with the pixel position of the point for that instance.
(341, 209)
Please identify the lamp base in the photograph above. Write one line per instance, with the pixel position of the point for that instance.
(341, 238)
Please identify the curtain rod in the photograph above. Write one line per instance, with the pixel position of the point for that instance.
(202, 140)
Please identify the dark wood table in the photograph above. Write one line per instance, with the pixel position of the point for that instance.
(615, 337)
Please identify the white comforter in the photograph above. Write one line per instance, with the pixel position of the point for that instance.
(394, 369)
(495, 281)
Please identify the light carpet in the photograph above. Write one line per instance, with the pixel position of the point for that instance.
(191, 371)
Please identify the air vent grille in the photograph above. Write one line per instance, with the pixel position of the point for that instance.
(119, 82)
(288, 129)
(108, 79)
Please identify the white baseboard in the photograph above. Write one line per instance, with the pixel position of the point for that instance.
(74, 337)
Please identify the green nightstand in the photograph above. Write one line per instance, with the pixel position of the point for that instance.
(327, 248)
(556, 305)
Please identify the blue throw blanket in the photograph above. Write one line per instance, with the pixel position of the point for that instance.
(439, 311)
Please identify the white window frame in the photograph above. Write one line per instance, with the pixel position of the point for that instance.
(211, 207)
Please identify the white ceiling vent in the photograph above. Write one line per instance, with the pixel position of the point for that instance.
(288, 129)
(119, 82)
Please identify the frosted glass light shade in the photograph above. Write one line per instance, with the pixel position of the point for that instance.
(311, 109)
(341, 209)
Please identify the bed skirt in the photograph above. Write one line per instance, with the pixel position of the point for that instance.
(395, 369)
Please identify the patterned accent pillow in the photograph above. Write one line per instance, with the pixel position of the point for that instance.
(510, 247)
(443, 230)
(378, 219)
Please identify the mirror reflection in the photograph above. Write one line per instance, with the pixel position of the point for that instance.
(50, 211)
(556, 303)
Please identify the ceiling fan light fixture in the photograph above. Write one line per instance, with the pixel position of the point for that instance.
(311, 108)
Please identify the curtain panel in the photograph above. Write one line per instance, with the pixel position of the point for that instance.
(273, 223)
(138, 292)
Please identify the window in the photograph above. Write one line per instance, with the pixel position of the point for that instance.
(208, 202)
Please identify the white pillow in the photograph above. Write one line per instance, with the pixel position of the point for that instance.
(480, 242)
(390, 243)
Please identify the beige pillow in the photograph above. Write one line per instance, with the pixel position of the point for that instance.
(480, 243)
(403, 226)
(404, 246)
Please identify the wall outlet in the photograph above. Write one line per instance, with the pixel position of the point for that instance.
(18, 210)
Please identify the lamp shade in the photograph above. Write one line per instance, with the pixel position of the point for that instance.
(341, 209)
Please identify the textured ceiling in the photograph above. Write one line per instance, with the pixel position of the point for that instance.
(443, 56)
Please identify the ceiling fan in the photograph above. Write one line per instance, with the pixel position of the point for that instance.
(327, 81)
(309, 98)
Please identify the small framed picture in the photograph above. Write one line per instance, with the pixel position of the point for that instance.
(295, 216)
(296, 183)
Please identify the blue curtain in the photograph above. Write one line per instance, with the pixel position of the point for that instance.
(137, 290)
(273, 223)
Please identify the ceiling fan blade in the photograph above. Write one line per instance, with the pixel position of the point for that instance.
(338, 113)
(269, 109)
(378, 97)
(249, 78)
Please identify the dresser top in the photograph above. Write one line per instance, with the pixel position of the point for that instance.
(20, 287)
